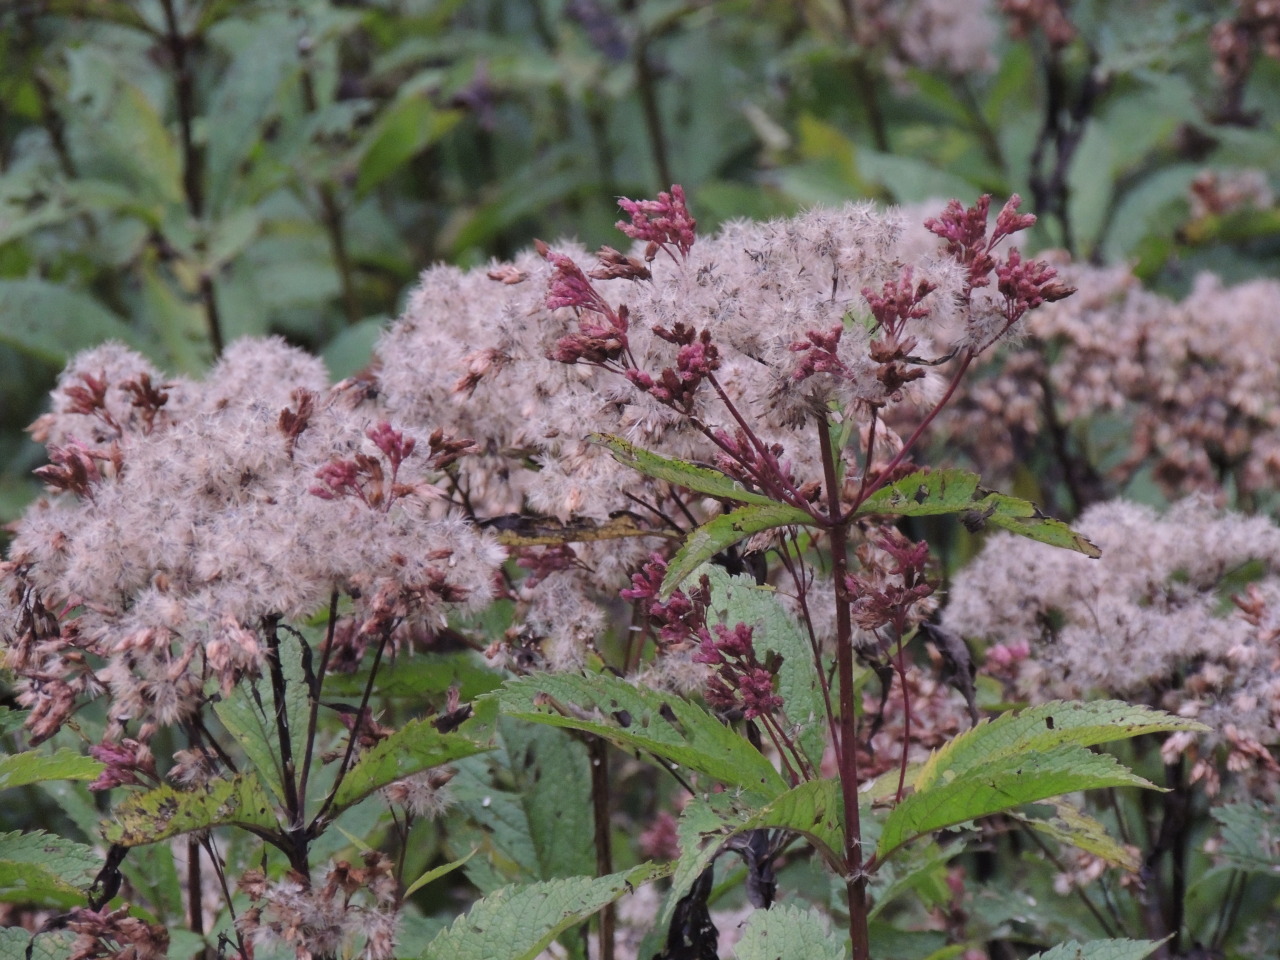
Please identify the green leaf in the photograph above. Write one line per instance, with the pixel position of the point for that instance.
(812, 809)
(519, 922)
(1045, 726)
(11, 719)
(40, 868)
(929, 493)
(51, 322)
(1101, 950)
(740, 600)
(1251, 836)
(660, 723)
(165, 812)
(422, 676)
(724, 531)
(788, 931)
(682, 474)
(34, 766)
(1003, 784)
(404, 129)
(245, 715)
(1072, 826)
(436, 873)
(415, 747)
(262, 54)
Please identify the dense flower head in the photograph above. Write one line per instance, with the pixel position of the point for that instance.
(166, 545)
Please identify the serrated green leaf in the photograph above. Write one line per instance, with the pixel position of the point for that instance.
(682, 474)
(930, 493)
(1072, 826)
(1251, 836)
(740, 600)
(1045, 726)
(415, 747)
(245, 715)
(50, 322)
(1101, 950)
(54, 945)
(724, 531)
(812, 809)
(923, 866)
(35, 766)
(1003, 784)
(519, 922)
(40, 868)
(788, 931)
(660, 723)
(165, 812)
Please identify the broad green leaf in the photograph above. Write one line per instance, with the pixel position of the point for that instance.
(404, 129)
(40, 868)
(54, 945)
(812, 809)
(436, 873)
(1003, 784)
(262, 55)
(229, 236)
(724, 531)
(34, 766)
(1101, 950)
(519, 922)
(788, 931)
(1043, 727)
(661, 723)
(929, 493)
(740, 600)
(1251, 836)
(682, 474)
(552, 777)
(1072, 826)
(165, 812)
(249, 716)
(415, 747)
(423, 676)
(51, 322)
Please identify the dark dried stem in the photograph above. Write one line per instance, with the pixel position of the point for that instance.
(317, 823)
(313, 695)
(288, 771)
(598, 752)
(846, 737)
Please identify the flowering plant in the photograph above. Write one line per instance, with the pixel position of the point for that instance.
(235, 562)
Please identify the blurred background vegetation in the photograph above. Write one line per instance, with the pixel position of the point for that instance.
(178, 173)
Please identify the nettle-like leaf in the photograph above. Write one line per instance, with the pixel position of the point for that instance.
(415, 747)
(1250, 837)
(788, 931)
(519, 922)
(35, 766)
(1101, 950)
(164, 812)
(43, 869)
(812, 809)
(1057, 723)
(929, 493)
(1019, 759)
(724, 531)
(249, 714)
(688, 475)
(739, 600)
(1074, 827)
(660, 723)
